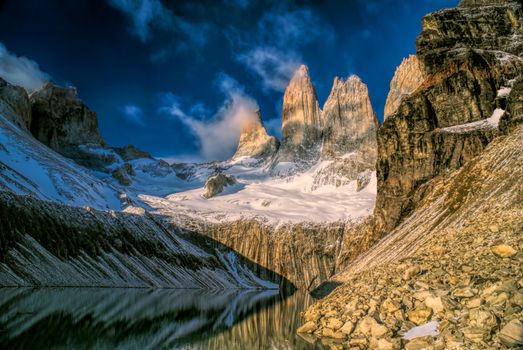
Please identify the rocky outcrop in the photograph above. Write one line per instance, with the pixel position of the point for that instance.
(301, 120)
(453, 267)
(63, 122)
(254, 141)
(130, 152)
(468, 55)
(216, 184)
(349, 123)
(15, 105)
(407, 78)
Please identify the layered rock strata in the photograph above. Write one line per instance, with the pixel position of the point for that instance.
(470, 57)
(254, 141)
(407, 78)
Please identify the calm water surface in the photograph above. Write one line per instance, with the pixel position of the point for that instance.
(91, 318)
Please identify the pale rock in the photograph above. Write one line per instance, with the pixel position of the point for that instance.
(407, 78)
(349, 123)
(329, 333)
(254, 140)
(511, 334)
(419, 315)
(347, 328)
(475, 334)
(435, 303)
(216, 184)
(308, 327)
(417, 344)
(334, 323)
(503, 250)
(301, 120)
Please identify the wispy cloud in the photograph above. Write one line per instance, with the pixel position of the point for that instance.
(148, 15)
(217, 135)
(133, 114)
(273, 50)
(21, 71)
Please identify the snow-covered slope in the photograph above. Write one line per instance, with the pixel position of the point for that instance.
(310, 196)
(29, 167)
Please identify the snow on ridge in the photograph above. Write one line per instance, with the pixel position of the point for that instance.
(504, 92)
(489, 123)
(29, 167)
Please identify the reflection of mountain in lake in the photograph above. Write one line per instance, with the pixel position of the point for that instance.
(145, 319)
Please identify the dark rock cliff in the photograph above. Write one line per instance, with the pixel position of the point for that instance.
(471, 57)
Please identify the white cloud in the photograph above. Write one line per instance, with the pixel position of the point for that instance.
(146, 15)
(273, 50)
(273, 66)
(217, 136)
(133, 114)
(21, 71)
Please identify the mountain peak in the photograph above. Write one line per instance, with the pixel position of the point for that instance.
(254, 140)
(407, 78)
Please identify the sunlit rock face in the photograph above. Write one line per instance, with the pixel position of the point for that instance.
(349, 123)
(254, 140)
(14, 104)
(407, 78)
(471, 56)
(301, 120)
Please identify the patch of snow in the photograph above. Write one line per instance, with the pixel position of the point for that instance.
(489, 123)
(424, 330)
(504, 92)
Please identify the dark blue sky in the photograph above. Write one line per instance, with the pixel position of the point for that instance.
(160, 73)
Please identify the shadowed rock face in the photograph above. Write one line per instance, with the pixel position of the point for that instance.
(407, 78)
(14, 104)
(349, 123)
(62, 121)
(468, 55)
(217, 183)
(254, 141)
(301, 120)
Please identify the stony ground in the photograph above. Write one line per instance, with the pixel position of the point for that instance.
(460, 273)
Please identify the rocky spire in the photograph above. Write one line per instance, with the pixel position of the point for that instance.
(301, 119)
(254, 140)
(349, 122)
(407, 78)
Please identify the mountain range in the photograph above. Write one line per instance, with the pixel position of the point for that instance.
(408, 226)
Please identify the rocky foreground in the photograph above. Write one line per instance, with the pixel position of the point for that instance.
(456, 274)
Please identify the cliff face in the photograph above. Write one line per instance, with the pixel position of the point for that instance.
(470, 67)
(349, 123)
(15, 105)
(407, 78)
(301, 120)
(62, 121)
(254, 141)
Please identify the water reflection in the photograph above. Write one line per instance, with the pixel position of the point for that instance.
(87, 318)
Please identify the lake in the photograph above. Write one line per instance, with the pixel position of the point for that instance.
(105, 318)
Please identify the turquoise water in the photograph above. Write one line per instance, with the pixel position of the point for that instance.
(98, 318)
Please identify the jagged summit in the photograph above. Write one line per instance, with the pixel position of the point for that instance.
(301, 119)
(349, 122)
(407, 78)
(254, 140)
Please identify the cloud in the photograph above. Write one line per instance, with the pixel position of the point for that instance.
(273, 50)
(218, 135)
(147, 15)
(133, 114)
(272, 65)
(21, 71)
